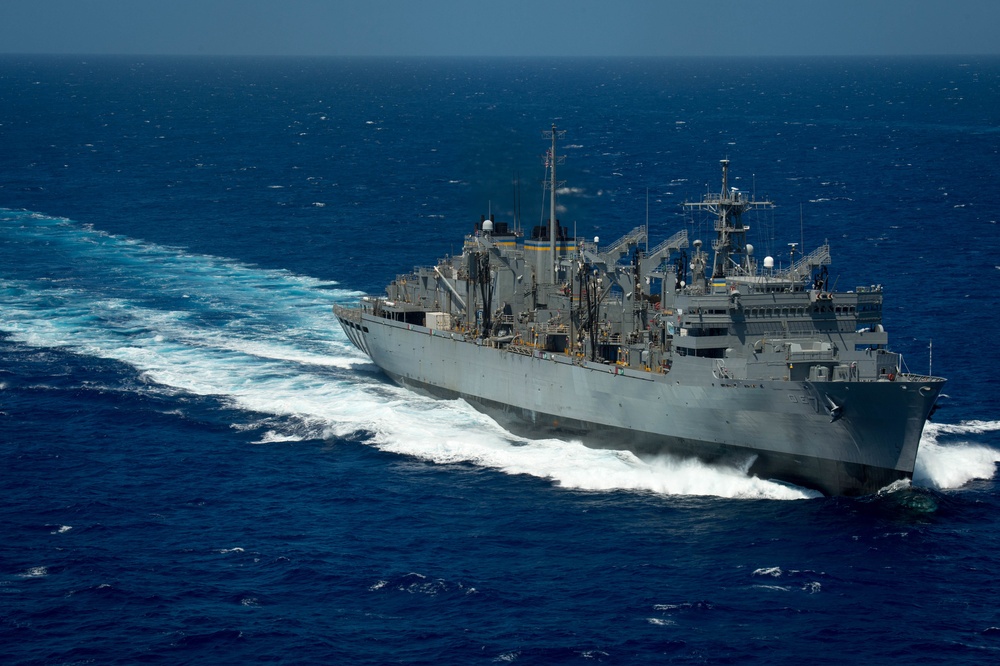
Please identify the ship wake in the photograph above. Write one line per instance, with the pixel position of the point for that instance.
(266, 343)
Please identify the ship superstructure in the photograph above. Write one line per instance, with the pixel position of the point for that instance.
(673, 349)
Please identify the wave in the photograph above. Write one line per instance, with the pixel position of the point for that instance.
(266, 341)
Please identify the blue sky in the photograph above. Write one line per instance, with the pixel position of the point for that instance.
(502, 27)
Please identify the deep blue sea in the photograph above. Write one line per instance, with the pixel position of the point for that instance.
(197, 467)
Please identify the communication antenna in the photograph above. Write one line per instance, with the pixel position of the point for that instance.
(647, 220)
(551, 160)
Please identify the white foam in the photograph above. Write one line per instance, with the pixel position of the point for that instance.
(35, 572)
(954, 464)
(774, 572)
(451, 432)
(974, 427)
(272, 437)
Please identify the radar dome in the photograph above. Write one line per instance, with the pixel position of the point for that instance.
(768, 262)
(488, 226)
(749, 250)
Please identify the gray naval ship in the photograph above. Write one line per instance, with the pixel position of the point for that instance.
(670, 349)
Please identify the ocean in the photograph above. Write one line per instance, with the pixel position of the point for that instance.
(197, 467)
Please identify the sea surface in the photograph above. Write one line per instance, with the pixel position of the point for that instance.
(197, 467)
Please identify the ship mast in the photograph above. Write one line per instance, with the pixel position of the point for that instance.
(551, 159)
(728, 207)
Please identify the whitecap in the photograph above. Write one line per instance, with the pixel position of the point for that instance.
(774, 572)
(507, 657)
(35, 572)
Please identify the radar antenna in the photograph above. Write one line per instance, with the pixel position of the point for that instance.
(728, 207)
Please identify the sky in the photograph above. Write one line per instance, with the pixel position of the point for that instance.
(501, 27)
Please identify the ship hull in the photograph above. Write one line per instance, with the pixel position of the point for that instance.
(779, 429)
